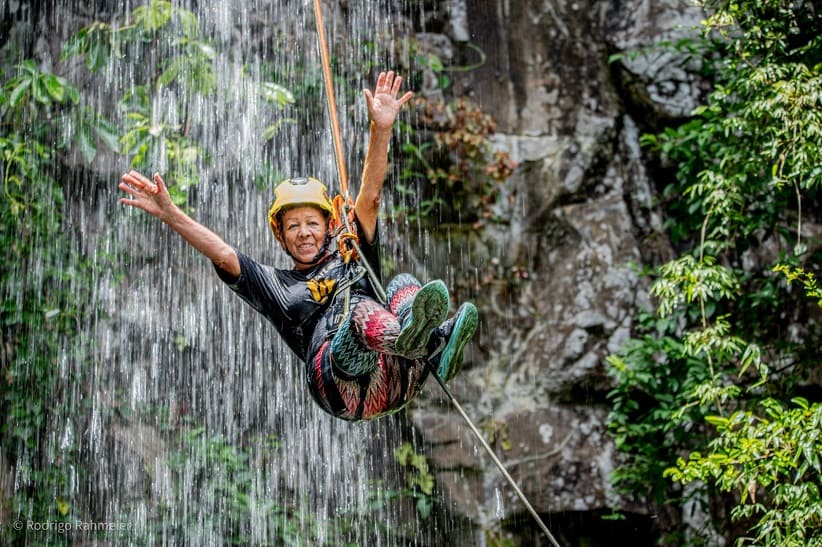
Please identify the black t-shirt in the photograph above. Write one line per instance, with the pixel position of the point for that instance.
(304, 306)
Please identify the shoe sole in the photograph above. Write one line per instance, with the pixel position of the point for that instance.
(428, 310)
(464, 328)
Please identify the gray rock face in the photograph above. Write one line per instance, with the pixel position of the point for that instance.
(663, 82)
(581, 210)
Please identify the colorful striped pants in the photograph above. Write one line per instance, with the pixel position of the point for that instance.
(357, 374)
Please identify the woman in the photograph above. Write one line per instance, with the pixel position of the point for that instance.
(363, 360)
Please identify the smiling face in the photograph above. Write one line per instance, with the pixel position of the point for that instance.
(304, 230)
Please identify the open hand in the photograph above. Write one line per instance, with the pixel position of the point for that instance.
(383, 104)
(151, 197)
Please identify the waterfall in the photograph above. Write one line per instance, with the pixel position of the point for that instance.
(179, 416)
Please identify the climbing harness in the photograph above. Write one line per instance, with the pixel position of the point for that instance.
(349, 241)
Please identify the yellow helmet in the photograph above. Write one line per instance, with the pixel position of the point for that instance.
(294, 192)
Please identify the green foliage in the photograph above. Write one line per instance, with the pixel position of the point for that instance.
(651, 414)
(280, 97)
(498, 538)
(230, 478)
(456, 171)
(424, 60)
(496, 433)
(714, 380)
(227, 479)
(36, 89)
(222, 476)
(45, 289)
(770, 458)
(160, 47)
(419, 479)
(808, 280)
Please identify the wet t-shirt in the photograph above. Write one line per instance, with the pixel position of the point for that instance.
(305, 306)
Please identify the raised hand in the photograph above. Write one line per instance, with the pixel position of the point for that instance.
(151, 197)
(383, 104)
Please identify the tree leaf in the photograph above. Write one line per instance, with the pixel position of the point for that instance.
(56, 88)
(18, 92)
(87, 146)
(108, 133)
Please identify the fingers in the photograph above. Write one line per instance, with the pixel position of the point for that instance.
(396, 87)
(381, 80)
(134, 195)
(142, 193)
(388, 82)
(136, 185)
(405, 98)
(129, 186)
(383, 104)
(128, 189)
(130, 202)
(136, 179)
(160, 185)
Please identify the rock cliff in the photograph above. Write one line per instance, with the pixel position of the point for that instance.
(581, 210)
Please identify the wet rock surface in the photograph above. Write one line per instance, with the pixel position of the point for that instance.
(581, 213)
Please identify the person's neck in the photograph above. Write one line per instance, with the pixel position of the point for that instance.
(303, 267)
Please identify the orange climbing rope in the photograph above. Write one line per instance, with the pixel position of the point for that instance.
(332, 104)
(349, 240)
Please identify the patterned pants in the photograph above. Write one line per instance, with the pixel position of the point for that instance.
(358, 375)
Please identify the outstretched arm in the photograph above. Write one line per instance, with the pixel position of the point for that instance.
(383, 107)
(153, 198)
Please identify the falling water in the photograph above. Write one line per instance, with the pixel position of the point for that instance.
(185, 419)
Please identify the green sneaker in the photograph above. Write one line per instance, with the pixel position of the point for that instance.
(428, 309)
(449, 340)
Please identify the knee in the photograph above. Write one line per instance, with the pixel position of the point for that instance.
(401, 281)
